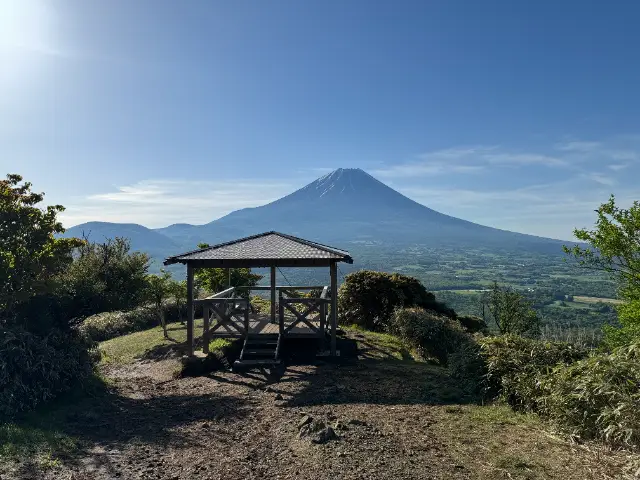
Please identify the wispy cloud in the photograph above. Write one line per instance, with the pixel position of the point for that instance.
(545, 209)
(578, 146)
(602, 179)
(467, 160)
(156, 203)
(616, 167)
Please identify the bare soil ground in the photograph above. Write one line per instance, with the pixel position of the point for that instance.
(394, 418)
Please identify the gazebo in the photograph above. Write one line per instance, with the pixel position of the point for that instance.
(229, 313)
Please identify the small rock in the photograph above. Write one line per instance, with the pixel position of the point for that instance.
(307, 419)
(311, 428)
(340, 426)
(357, 422)
(325, 435)
(279, 396)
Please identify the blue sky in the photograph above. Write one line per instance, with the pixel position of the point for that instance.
(519, 115)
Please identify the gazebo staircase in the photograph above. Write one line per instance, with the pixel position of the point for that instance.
(260, 350)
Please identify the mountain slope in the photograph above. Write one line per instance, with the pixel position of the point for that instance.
(142, 238)
(350, 205)
(345, 206)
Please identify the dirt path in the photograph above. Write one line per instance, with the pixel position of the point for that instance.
(393, 419)
(230, 426)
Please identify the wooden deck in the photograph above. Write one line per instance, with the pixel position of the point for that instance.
(259, 324)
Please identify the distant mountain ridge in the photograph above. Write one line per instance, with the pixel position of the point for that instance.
(344, 206)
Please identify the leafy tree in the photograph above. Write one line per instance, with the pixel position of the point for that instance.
(159, 288)
(511, 312)
(369, 298)
(104, 277)
(615, 248)
(31, 256)
(179, 292)
(217, 279)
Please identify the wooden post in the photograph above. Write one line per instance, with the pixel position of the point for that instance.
(246, 319)
(190, 309)
(205, 328)
(273, 294)
(334, 305)
(281, 316)
(323, 319)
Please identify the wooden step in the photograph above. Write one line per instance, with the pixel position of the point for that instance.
(266, 341)
(252, 361)
(259, 351)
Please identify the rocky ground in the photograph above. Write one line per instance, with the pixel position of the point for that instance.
(370, 418)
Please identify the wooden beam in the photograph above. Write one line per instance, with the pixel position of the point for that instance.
(273, 294)
(223, 293)
(334, 305)
(190, 312)
(282, 287)
(205, 329)
(281, 317)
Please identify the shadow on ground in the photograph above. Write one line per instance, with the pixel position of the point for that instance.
(372, 375)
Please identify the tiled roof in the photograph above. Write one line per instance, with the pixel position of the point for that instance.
(266, 246)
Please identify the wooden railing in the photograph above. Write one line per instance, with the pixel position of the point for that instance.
(229, 310)
(224, 310)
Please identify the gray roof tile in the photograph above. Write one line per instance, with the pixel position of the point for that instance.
(266, 246)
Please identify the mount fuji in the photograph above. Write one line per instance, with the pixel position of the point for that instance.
(344, 207)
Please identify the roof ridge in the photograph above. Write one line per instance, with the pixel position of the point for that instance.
(319, 246)
(302, 241)
(223, 244)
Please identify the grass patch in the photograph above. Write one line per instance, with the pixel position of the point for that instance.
(128, 348)
(585, 299)
(39, 436)
(24, 440)
(219, 344)
(381, 346)
(495, 442)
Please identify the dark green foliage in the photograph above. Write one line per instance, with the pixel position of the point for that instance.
(157, 290)
(511, 312)
(598, 397)
(34, 368)
(615, 249)
(368, 298)
(103, 277)
(468, 366)
(30, 254)
(432, 334)
(260, 304)
(40, 355)
(107, 325)
(473, 324)
(515, 366)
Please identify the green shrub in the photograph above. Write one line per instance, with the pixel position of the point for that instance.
(468, 366)
(107, 325)
(430, 333)
(368, 298)
(515, 366)
(473, 324)
(629, 317)
(260, 304)
(34, 369)
(598, 397)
